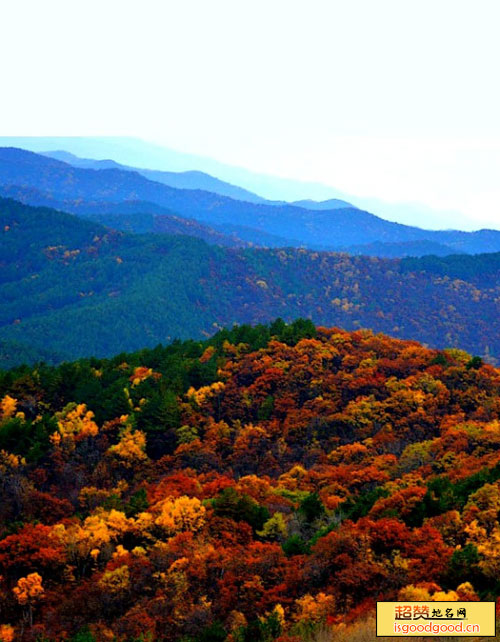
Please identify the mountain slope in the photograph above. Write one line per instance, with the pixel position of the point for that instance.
(74, 287)
(182, 180)
(325, 229)
(142, 217)
(272, 483)
(139, 222)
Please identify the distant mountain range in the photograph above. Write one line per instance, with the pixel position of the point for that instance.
(71, 287)
(38, 180)
(194, 180)
(182, 180)
(138, 153)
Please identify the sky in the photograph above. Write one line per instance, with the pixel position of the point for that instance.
(393, 99)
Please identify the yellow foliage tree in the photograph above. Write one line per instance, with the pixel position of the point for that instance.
(97, 530)
(488, 546)
(28, 592)
(279, 612)
(117, 522)
(314, 608)
(75, 422)
(205, 392)
(8, 407)
(9, 461)
(413, 593)
(180, 514)
(131, 447)
(484, 506)
(116, 581)
(144, 522)
(274, 528)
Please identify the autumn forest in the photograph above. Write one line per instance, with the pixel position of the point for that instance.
(269, 483)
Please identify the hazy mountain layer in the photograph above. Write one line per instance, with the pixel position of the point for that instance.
(182, 180)
(29, 173)
(139, 153)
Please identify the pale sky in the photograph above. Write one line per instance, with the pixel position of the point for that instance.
(393, 99)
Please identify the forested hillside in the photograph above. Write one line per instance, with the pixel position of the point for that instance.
(271, 482)
(74, 288)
